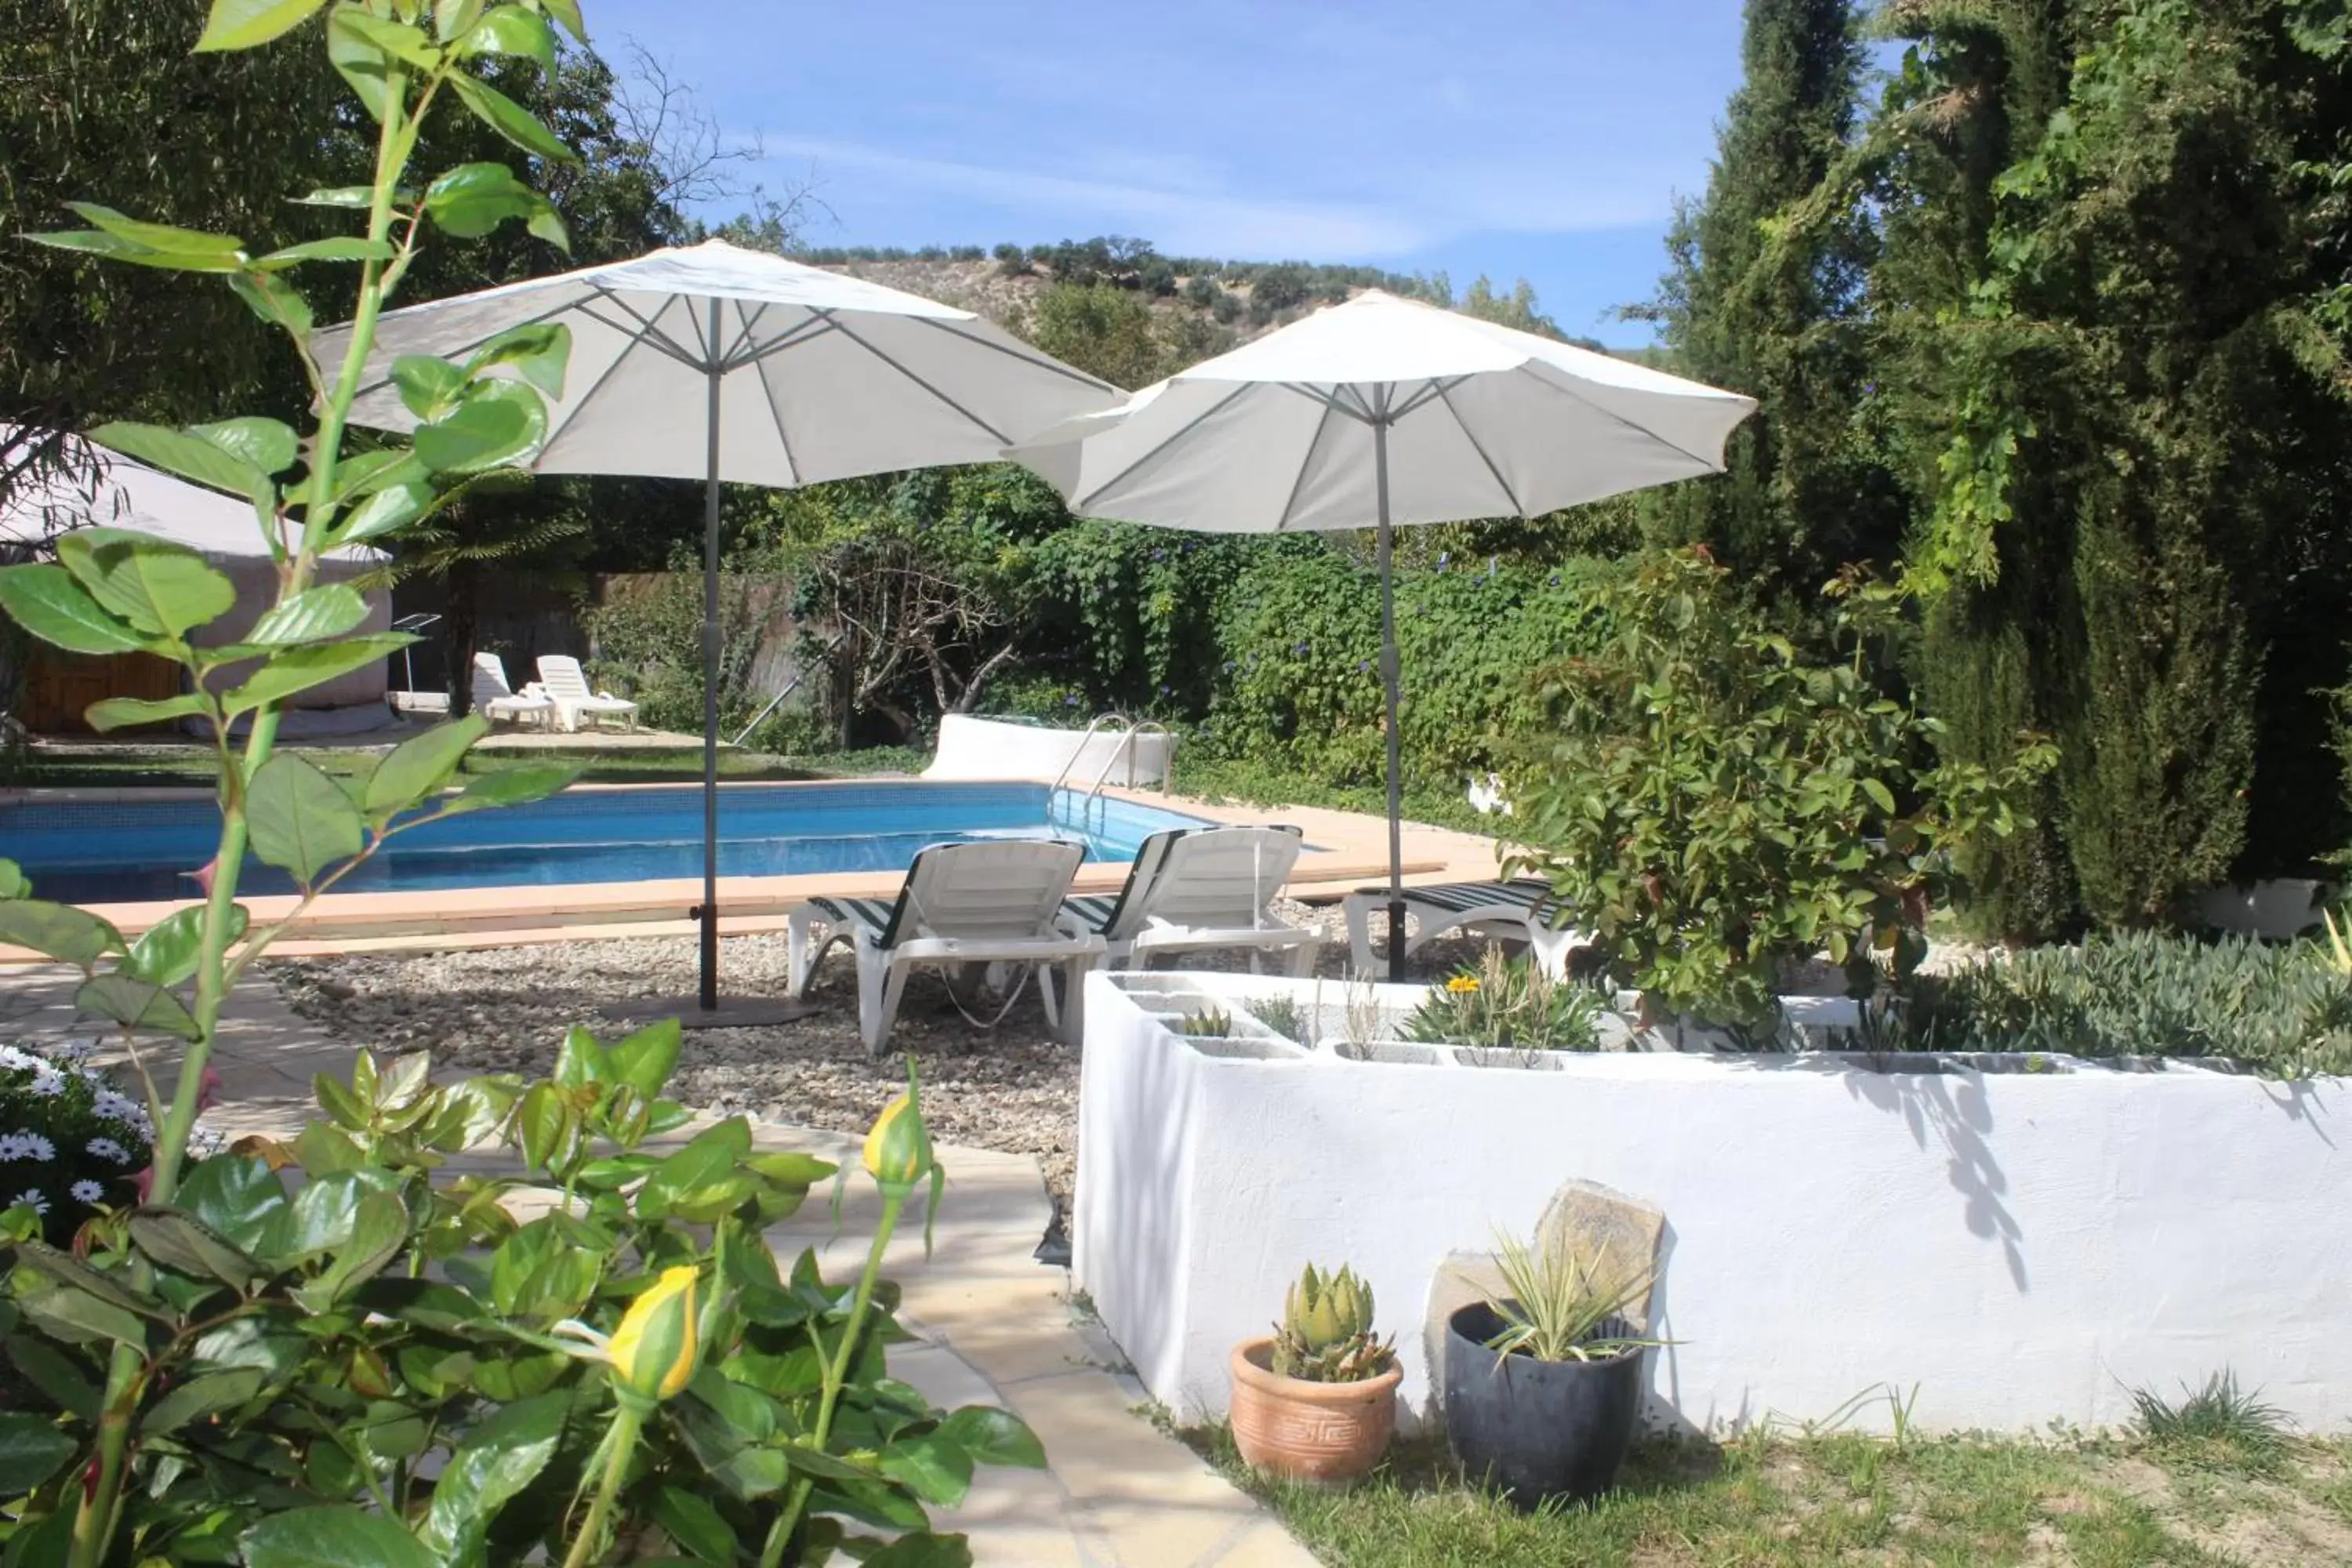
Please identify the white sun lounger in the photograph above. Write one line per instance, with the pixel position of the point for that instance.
(561, 674)
(961, 903)
(1196, 887)
(494, 700)
(1521, 908)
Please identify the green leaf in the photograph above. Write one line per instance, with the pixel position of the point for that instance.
(540, 352)
(645, 1060)
(167, 953)
(511, 120)
(333, 1537)
(542, 1121)
(136, 1005)
(180, 1241)
(32, 1449)
(199, 1397)
(693, 1523)
(243, 24)
(497, 1459)
(114, 248)
(386, 512)
(429, 386)
(237, 1195)
(302, 822)
(277, 301)
(163, 589)
(352, 196)
(993, 1437)
(364, 66)
(378, 1230)
(511, 30)
(516, 786)
(157, 236)
(81, 1318)
(419, 767)
(190, 455)
(1878, 792)
(499, 422)
(472, 199)
(53, 1372)
(923, 1549)
(64, 932)
(14, 884)
(451, 18)
(268, 444)
(48, 604)
(313, 663)
(407, 44)
(932, 1466)
(313, 615)
(566, 12)
(346, 247)
(121, 712)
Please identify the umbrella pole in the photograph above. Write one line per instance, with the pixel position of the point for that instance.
(1391, 678)
(708, 913)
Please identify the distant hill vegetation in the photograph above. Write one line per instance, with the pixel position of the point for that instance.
(1116, 307)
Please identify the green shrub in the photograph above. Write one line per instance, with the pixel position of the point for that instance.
(1711, 806)
(2281, 1009)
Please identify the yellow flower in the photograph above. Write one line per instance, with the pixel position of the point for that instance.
(653, 1348)
(899, 1148)
(1463, 985)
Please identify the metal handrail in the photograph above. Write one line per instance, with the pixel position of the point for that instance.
(1127, 747)
(1080, 749)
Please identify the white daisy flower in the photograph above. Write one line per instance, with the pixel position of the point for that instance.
(33, 1146)
(48, 1082)
(24, 1061)
(13, 1146)
(108, 1149)
(111, 1105)
(71, 1050)
(31, 1198)
(87, 1192)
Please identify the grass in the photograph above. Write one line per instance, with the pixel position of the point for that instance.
(2220, 1426)
(1798, 1499)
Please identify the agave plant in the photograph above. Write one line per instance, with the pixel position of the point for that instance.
(1559, 1299)
(1325, 1332)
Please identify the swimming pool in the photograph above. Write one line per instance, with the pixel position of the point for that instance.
(121, 852)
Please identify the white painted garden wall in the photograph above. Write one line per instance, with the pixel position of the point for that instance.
(974, 747)
(2024, 1247)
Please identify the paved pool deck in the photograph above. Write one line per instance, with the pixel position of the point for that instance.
(1350, 850)
(992, 1325)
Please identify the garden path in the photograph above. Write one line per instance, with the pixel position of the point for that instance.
(992, 1325)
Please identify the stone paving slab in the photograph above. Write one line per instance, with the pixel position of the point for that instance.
(992, 1325)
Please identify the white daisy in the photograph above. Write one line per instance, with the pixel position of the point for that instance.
(108, 1149)
(24, 1061)
(31, 1198)
(71, 1050)
(87, 1192)
(48, 1082)
(111, 1105)
(16, 1145)
(29, 1146)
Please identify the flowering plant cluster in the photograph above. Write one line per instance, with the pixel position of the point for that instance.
(70, 1141)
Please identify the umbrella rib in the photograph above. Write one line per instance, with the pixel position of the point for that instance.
(750, 323)
(851, 333)
(1013, 350)
(776, 418)
(815, 325)
(1078, 504)
(649, 331)
(1620, 419)
(1463, 424)
(1434, 388)
(1299, 480)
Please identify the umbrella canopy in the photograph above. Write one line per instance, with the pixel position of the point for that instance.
(1380, 412)
(716, 363)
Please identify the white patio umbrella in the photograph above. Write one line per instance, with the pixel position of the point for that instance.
(1377, 413)
(715, 362)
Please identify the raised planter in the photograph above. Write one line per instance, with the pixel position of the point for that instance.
(1538, 1429)
(1310, 1431)
(2025, 1245)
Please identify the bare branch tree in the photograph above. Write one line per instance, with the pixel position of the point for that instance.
(697, 163)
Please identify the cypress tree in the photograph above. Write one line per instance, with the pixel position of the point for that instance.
(1805, 494)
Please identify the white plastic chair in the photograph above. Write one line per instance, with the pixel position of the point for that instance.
(567, 683)
(494, 700)
(1197, 888)
(1521, 908)
(961, 903)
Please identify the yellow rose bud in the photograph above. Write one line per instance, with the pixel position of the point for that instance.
(653, 1350)
(899, 1148)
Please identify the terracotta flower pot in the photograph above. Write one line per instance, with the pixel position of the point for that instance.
(1310, 1431)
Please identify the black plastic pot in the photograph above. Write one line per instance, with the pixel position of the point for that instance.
(1538, 1429)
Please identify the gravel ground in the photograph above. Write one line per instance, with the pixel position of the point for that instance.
(1013, 1086)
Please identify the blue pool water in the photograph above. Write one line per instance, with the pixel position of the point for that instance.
(107, 852)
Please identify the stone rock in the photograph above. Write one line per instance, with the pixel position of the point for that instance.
(1594, 1218)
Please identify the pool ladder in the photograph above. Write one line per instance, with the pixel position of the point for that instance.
(1129, 732)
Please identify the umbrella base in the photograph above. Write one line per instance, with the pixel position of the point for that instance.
(732, 1011)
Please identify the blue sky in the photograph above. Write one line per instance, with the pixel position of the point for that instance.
(1547, 140)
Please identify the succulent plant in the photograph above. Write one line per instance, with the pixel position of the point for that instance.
(1208, 1024)
(1325, 1332)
